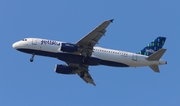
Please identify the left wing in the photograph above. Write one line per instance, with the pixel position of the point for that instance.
(91, 39)
(82, 71)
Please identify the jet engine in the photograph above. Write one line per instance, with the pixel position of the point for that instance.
(68, 47)
(64, 69)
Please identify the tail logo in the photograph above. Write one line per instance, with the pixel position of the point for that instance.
(153, 46)
(150, 50)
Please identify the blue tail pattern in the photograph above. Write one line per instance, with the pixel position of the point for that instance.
(154, 46)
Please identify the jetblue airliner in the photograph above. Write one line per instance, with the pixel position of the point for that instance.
(79, 56)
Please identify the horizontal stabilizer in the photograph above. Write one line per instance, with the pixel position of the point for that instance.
(157, 55)
(155, 68)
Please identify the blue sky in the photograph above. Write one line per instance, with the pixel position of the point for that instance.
(137, 22)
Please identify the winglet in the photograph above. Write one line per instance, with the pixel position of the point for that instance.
(111, 20)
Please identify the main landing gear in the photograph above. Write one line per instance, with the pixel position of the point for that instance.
(82, 74)
(32, 58)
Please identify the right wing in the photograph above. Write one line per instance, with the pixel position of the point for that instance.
(82, 71)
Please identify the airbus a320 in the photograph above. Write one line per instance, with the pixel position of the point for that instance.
(82, 54)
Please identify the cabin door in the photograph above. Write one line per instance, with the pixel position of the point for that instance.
(34, 41)
(134, 57)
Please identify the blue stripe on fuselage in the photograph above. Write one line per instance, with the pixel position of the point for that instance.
(72, 58)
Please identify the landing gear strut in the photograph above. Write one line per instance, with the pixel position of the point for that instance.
(85, 60)
(32, 58)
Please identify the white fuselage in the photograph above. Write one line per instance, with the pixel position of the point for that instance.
(109, 57)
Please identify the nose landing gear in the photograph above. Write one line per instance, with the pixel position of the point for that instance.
(32, 58)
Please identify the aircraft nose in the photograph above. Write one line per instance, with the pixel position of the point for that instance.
(15, 45)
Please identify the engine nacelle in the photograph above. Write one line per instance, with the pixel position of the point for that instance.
(63, 69)
(68, 47)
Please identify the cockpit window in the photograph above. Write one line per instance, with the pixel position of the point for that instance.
(24, 40)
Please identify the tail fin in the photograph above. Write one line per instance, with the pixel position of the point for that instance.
(154, 46)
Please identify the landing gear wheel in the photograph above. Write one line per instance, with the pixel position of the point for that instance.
(32, 58)
(82, 74)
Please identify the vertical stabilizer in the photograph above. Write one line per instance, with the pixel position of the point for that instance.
(154, 46)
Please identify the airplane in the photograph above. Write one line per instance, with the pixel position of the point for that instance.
(82, 54)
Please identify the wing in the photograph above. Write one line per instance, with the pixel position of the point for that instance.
(86, 45)
(90, 40)
(82, 71)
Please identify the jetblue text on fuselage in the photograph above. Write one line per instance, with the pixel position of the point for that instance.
(50, 42)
